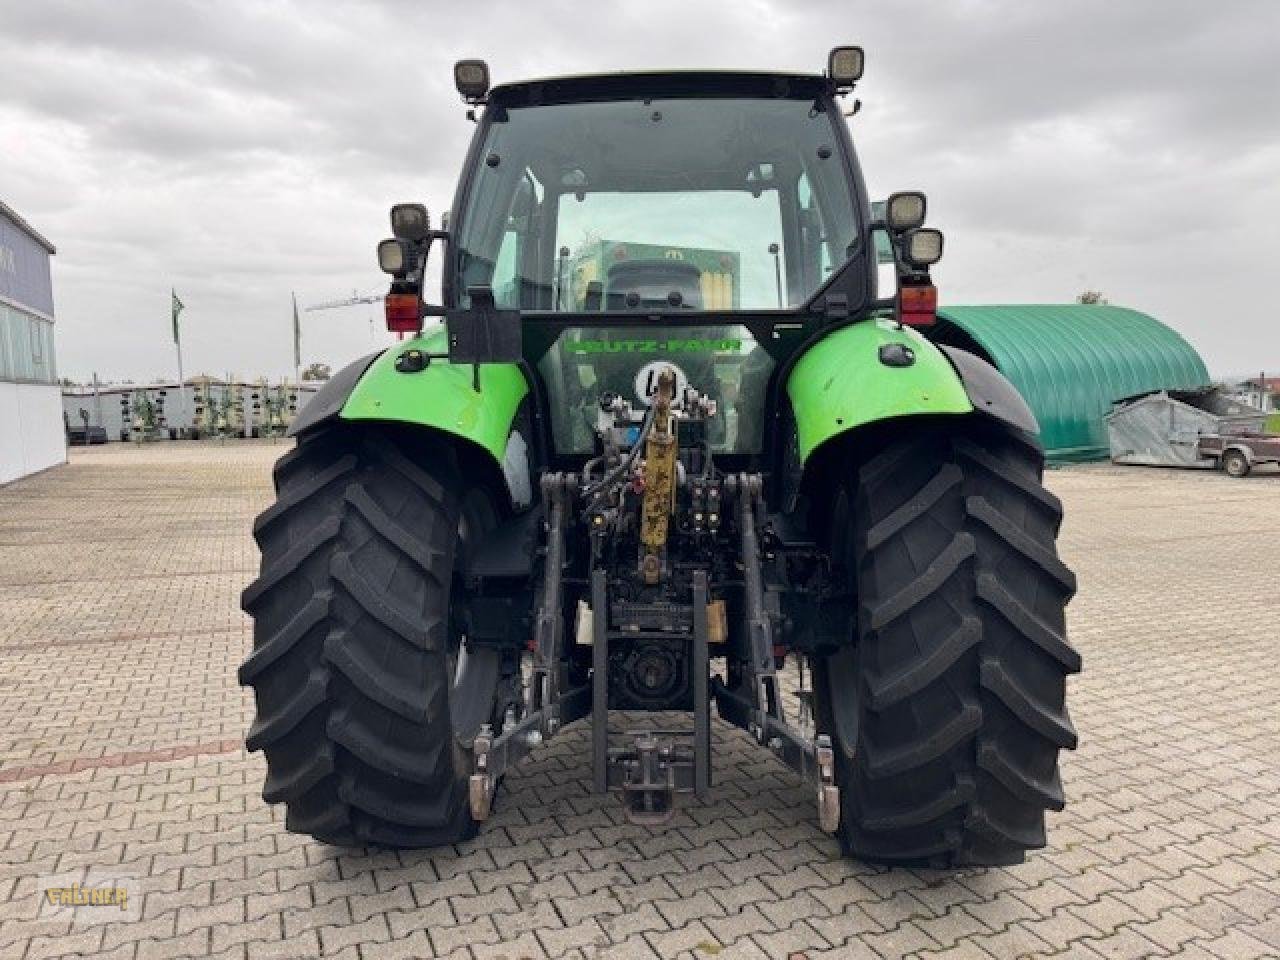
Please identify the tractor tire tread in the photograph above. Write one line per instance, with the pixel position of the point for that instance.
(349, 665)
(948, 711)
(915, 508)
(913, 677)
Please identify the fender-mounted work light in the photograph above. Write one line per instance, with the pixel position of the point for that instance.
(471, 77)
(844, 67)
(922, 247)
(394, 257)
(410, 221)
(905, 210)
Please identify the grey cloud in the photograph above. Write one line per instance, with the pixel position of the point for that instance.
(240, 150)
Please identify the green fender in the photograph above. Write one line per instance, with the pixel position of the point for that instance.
(840, 383)
(441, 395)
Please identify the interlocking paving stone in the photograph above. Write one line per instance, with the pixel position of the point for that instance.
(120, 633)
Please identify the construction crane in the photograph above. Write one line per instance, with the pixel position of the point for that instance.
(356, 299)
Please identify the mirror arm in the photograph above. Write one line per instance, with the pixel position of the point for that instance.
(418, 276)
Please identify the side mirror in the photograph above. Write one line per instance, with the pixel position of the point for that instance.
(905, 210)
(484, 332)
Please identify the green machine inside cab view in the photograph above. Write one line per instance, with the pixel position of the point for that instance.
(662, 445)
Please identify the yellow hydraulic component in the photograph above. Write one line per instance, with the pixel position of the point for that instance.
(659, 477)
(717, 622)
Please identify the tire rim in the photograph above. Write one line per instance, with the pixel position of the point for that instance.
(473, 674)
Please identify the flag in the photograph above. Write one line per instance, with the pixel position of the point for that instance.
(176, 307)
(297, 335)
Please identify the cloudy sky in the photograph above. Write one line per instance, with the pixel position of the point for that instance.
(238, 151)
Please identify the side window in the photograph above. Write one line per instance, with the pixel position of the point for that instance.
(513, 261)
(817, 249)
(506, 285)
(7, 371)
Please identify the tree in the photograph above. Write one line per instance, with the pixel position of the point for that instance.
(316, 371)
(1091, 297)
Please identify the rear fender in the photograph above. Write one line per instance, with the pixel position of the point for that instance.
(441, 397)
(841, 383)
(989, 390)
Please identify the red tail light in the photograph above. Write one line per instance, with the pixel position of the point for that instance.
(918, 306)
(404, 313)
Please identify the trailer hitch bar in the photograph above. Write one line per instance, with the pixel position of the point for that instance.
(495, 755)
(813, 759)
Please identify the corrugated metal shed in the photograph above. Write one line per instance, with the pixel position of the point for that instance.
(1072, 362)
(1163, 429)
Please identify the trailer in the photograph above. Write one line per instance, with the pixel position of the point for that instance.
(1240, 453)
(1205, 428)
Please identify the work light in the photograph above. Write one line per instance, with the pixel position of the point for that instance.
(471, 77)
(394, 257)
(844, 66)
(905, 210)
(922, 247)
(410, 221)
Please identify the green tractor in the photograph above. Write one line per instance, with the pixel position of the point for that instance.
(704, 462)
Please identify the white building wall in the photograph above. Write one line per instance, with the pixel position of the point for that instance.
(31, 431)
(32, 437)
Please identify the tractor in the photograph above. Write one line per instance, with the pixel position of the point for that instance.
(663, 444)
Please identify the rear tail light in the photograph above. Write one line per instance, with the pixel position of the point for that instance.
(404, 313)
(918, 305)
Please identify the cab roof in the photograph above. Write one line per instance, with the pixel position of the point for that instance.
(659, 83)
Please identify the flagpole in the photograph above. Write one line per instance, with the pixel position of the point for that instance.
(175, 308)
(182, 390)
(297, 345)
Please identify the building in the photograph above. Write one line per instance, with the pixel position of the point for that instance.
(32, 436)
(1262, 392)
(1072, 362)
(152, 411)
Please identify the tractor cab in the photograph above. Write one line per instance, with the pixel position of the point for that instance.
(700, 219)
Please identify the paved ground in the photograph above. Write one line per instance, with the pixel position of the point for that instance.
(121, 764)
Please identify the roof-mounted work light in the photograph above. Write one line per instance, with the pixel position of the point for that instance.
(410, 221)
(471, 77)
(844, 67)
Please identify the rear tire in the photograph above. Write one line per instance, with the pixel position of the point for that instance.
(363, 714)
(947, 711)
(1235, 463)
